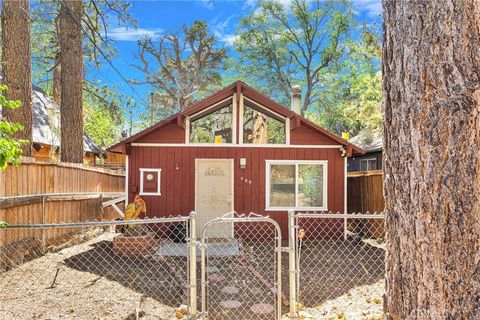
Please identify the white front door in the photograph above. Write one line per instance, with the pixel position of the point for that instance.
(214, 195)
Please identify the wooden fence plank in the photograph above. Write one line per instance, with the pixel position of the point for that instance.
(82, 189)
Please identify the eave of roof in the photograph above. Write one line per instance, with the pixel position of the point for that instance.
(249, 92)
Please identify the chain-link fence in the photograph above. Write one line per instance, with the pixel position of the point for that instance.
(241, 270)
(96, 270)
(150, 268)
(340, 265)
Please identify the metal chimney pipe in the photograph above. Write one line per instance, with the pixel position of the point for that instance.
(297, 99)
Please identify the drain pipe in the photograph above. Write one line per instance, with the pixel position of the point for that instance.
(292, 265)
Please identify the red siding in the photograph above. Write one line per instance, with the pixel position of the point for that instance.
(306, 136)
(178, 176)
(173, 133)
(170, 133)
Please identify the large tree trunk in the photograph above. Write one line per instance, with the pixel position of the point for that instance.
(57, 79)
(431, 86)
(17, 66)
(70, 39)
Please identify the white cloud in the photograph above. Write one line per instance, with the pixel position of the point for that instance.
(228, 39)
(132, 34)
(223, 30)
(249, 3)
(210, 4)
(372, 7)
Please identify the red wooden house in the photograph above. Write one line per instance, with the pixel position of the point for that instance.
(237, 150)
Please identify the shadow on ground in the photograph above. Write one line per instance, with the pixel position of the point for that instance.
(163, 279)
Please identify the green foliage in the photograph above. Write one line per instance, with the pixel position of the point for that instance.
(10, 148)
(365, 103)
(3, 225)
(310, 43)
(100, 125)
(280, 46)
(354, 94)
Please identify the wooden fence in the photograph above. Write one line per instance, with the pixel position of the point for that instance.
(39, 193)
(365, 194)
(365, 191)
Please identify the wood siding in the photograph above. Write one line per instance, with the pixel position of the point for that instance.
(306, 136)
(170, 133)
(178, 176)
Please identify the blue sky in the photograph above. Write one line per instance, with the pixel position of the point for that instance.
(164, 16)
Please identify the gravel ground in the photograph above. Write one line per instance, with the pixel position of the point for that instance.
(94, 283)
(26, 293)
(360, 303)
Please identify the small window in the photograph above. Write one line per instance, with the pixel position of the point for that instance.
(368, 164)
(296, 185)
(260, 128)
(150, 182)
(215, 127)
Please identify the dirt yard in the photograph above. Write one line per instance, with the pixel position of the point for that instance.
(338, 280)
(85, 287)
(360, 303)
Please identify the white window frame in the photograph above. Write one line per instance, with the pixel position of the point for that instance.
(240, 129)
(367, 160)
(234, 122)
(159, 175)
(296, 163)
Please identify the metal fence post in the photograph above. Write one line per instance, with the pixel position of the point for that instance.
(292, 265)
(193, 266)
(43, 222)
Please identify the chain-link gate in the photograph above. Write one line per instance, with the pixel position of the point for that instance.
(339, 264)
(241, 273)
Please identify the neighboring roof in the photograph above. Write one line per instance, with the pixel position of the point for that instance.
(368, 140)
(247, 91)
(46, 123)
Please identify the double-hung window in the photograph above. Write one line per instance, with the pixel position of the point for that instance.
(300, 185)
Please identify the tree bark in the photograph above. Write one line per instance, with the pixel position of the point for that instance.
(57, 79)
(431, 87)
(17, 66)
(70, 39)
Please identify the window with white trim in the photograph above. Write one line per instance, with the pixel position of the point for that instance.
(298, 185)
(259, 127)
(150, 181)
(368, 164)
(213, 127)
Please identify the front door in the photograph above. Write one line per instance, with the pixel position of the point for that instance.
(214, 195)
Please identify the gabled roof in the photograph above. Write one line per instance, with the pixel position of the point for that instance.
(248, 92)
(46, 123)
(368, 140)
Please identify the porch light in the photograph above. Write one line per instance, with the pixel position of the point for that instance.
(243, 163)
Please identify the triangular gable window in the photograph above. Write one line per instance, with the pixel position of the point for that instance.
(259, 127)
(214, 126)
